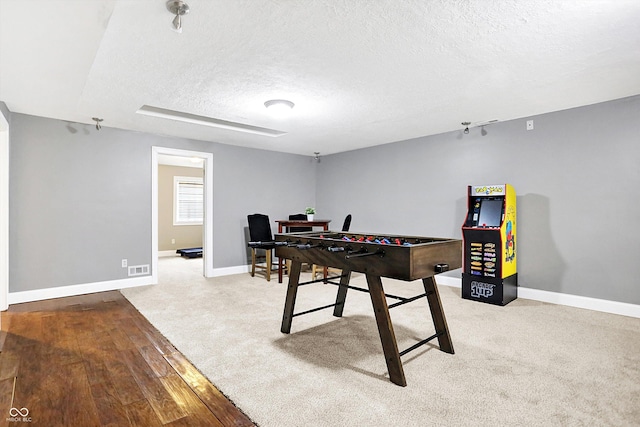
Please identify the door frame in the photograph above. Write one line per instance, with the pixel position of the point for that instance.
(4, 213)
(207, 226)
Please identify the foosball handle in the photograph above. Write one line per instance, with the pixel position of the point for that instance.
(441, 268)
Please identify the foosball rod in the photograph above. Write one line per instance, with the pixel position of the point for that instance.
(260, 243)
(379, 252)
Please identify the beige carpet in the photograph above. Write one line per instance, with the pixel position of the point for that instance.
(525, 364)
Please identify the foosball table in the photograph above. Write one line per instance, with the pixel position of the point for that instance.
(405, 258)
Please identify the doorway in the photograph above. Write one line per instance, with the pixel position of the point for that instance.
(206, 160)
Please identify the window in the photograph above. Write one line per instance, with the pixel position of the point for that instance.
(188, 197)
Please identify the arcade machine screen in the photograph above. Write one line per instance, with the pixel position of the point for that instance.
(490, 213)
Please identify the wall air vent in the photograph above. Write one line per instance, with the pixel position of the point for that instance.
(138, 270)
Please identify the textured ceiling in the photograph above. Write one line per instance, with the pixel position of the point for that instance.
(360, 72)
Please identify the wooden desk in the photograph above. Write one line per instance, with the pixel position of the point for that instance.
(285, 224)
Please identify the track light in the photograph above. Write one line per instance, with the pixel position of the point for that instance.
(97, 120)
(178, 8)
(481, 125)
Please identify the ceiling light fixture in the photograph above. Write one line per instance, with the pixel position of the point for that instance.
(178, 8)
(279, 107)
(98, 126)
(181, 116)
(316, 156)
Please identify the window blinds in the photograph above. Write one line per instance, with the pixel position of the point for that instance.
(189, 200)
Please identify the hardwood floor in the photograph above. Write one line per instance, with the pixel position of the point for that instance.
(94, 360)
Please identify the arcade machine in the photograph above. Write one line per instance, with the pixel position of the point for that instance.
(489, 232)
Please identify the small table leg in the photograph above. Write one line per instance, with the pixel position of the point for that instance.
(325, 270)
(437, 314)
(342, 293)
(290, 301)
(280, 260)
(385, 329)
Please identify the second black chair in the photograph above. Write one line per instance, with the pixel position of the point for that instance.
(298, 217)
(345, 227)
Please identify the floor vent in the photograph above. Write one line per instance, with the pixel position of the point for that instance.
(138, 270)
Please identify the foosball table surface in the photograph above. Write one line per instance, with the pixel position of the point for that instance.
(393, 256)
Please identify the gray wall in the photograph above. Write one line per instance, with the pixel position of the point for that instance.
(80, 200)
(255, 181)
(577, 176)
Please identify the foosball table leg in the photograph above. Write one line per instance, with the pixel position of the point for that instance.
(290, 301)
(342, 293)
(385, 329)
(437, 314)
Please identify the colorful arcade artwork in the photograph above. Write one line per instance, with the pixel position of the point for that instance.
(489, 232)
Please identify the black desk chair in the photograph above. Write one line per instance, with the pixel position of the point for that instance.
(260, 238)
(345, 227)
(347, 223)
(298, 217)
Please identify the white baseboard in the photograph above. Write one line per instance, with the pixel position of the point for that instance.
(227, 271)
(167, 253)
(73, 290)
(605, 306)
(110, 285)
(443, 279)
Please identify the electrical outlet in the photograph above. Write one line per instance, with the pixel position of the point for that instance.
(529, 124)
(124, 263)
(173, 241)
